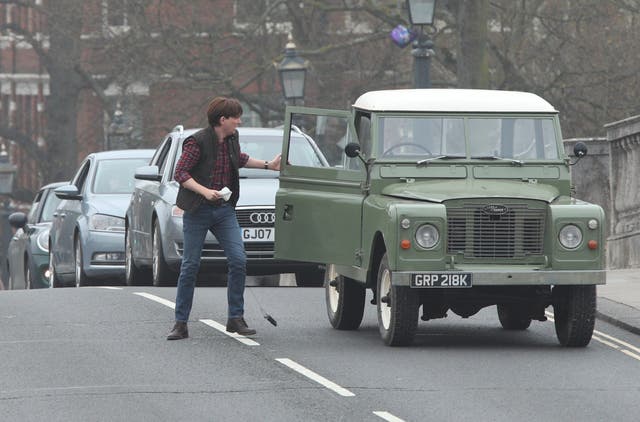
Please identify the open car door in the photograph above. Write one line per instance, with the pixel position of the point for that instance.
(306, 228)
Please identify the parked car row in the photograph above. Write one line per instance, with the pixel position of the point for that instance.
(116, 220)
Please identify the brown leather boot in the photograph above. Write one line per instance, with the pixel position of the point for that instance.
(179, 331)
(238, 325)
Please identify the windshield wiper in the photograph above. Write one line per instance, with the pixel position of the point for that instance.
(493, 157)
(440, 157)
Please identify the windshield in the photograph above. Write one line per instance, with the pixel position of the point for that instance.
(116, 176)
(265, 148)
(415, 138)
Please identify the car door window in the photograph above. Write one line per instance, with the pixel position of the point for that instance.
(160, 159)
(327, 135)
(81, 176)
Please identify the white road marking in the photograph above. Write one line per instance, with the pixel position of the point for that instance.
(315, 377)
(108, 287)
(387, 416)
(611, 343)
(158, 299)
(242, 339)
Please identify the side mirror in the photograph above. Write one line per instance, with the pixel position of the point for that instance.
(352, 149)
(148, 173)
(18, 220)
(68, 192)
(580, 149)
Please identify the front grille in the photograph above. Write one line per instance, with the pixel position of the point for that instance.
(474, 231)
(256, 217)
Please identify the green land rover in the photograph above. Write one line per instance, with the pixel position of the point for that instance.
(442, 200)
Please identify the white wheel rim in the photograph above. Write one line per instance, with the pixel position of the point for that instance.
(51, 277)
(155, 253)
(385, 308)
(334, 294)
(78, 264)
(127, 257)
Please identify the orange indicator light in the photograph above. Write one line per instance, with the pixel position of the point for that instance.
(405, 244)
(592, 244)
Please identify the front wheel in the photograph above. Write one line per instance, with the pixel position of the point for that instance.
(81, 278)
(344, 300)
(133, 275)
(574, 312)
(397, 309)
(162, 275)
(54, 280)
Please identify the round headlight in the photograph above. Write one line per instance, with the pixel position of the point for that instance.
(427, 236)
(43, 240)
(570, 236)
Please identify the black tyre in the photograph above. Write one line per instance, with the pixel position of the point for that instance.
(344, 299)
(54, 280)
(397, 309)
(162, 275)
(574, 309)
(81, 278)
(513, 317)
(310, 277)
(133, 275)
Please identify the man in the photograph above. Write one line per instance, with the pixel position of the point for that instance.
(209, 162)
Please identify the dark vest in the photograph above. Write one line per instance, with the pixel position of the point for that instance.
(202, 172)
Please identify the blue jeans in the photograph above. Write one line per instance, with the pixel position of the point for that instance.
(223, 223)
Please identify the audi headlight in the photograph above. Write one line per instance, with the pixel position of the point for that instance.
(570, 236)
(427, 236)
(43, 240)
(106, 223)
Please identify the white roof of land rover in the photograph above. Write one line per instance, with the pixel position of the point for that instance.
(453, 100)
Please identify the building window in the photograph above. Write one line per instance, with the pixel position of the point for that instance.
(115, 17)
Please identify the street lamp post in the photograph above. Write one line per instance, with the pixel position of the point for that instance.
(7, 172)
(293, 72)
(420, 14)
(118, 131)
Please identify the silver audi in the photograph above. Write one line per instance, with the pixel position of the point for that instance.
(153, 233)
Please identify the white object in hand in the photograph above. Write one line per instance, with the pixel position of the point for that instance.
(226, 193)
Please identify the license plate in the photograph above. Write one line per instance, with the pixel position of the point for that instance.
(445, 280)
(258, 234)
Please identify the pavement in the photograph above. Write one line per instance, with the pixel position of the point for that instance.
(619, 299)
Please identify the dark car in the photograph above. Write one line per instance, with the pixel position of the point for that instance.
(86, 240)
(28, 252)
(154, 240)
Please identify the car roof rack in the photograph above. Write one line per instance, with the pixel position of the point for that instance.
(178, 128)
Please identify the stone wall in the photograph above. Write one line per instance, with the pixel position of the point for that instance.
(624, 181)
(590, 175)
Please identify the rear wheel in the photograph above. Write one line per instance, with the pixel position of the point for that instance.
(161, 273)
(397, 309)
(344, 300)
(574, 312)
(134, 275)
(513, 318)
(310, 277)
(81, 278)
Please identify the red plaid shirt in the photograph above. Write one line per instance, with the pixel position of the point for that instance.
(221, 171)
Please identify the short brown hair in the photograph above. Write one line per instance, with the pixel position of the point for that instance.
(223, 107)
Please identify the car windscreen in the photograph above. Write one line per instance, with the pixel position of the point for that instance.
(520, 138)
(116, 175)
(266, 148)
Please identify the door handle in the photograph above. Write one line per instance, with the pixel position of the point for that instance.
(288, 212)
